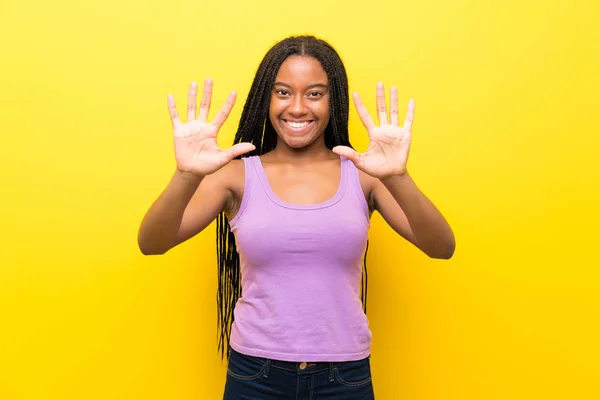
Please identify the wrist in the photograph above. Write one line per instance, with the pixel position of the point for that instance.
(395, 179)
(188, 176)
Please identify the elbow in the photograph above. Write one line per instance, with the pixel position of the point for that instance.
(442, 251)
(445, 255)
(150, 252)
(149, 249)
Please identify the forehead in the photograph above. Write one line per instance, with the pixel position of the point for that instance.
(301, 70)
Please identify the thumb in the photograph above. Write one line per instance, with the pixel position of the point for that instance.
(347, 152)
(238, 150)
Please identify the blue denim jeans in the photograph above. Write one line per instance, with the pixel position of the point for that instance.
(255, 378)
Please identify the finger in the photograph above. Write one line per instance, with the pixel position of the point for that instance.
(381, 109)
(363, 113)
(410, 115)
(394, 105)
(173, 111)
(191, 110)
(206, 97)
(347, 152)
(237, 150)
(225, 110)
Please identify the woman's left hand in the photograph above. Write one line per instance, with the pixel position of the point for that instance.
(389, 143)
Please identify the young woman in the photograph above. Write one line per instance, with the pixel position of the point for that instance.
(293, 202)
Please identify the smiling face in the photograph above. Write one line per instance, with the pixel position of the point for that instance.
(299, 108)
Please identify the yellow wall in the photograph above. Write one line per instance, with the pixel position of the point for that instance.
(505, 143)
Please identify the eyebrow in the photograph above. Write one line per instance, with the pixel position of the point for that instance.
(320, 85)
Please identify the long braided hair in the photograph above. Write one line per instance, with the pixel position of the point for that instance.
(255, 127)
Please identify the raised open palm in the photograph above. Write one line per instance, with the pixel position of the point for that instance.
(196, 148)
(389, 143)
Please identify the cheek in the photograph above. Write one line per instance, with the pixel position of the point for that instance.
(276, 107)
(323, 111)
(273, 113)
(271, 108)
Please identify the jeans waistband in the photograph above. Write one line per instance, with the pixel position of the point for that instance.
(303, 366)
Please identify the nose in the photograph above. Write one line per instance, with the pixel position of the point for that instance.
(297, 106)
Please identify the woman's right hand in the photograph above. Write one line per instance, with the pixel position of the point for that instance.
(196, 149)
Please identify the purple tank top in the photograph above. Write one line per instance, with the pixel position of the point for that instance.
(301, 269)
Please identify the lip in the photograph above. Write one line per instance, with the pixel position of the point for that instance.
(290, 128)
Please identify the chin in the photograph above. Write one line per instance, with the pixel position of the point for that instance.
(298, 142)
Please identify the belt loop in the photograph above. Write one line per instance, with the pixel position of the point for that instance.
(331, 370)
(267, 369)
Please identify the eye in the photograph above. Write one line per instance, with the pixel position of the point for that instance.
(282, 92)
(315, 94)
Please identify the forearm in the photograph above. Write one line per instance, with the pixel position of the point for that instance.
(431, 230)
(159, 228)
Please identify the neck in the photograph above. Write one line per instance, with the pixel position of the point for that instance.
(310, 153)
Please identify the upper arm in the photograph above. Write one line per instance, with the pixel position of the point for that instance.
(382, 201)
(215, 194)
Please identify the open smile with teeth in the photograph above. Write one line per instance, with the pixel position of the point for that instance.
(297, 126)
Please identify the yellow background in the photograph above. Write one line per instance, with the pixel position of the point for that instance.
(505, 144)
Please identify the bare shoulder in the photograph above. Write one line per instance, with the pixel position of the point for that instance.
(227, 177)
(236, 175)
(368, 185)
(232, 170)
(221, 188)
(232, 177)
